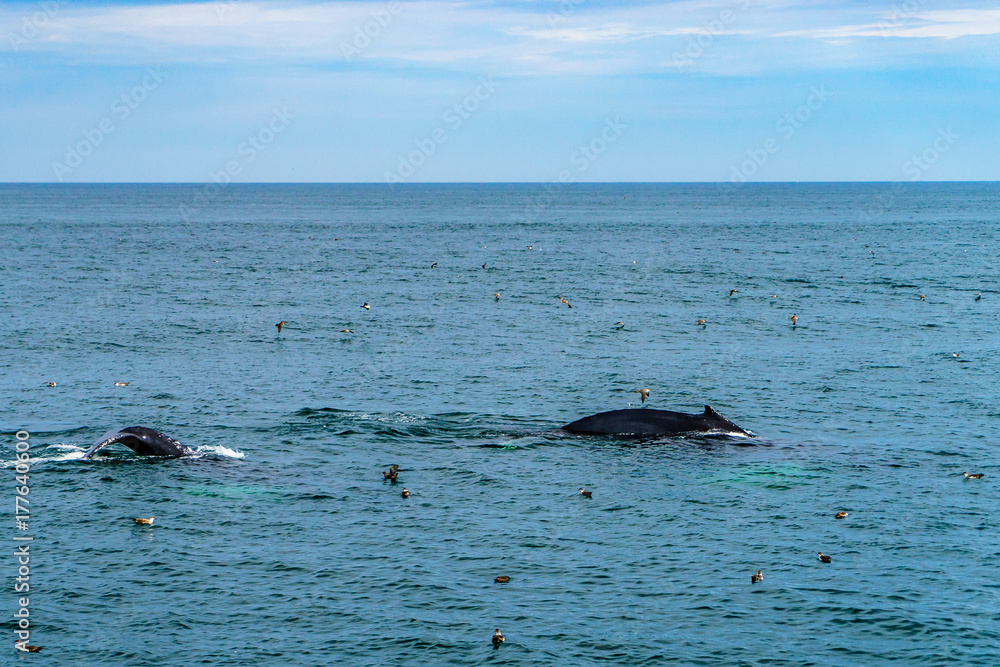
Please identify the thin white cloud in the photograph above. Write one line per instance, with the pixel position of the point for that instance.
(940, 24)
(525, 39)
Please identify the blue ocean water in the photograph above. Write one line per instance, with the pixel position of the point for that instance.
(280, 543)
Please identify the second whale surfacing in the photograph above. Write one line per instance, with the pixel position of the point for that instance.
(646, 422)
(141, 440)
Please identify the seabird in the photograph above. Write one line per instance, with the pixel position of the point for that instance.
(977, 476)
(434, 265)
(496, 295)
(773, 296)
(366, 306)
(502, 579)
(497, 639)
(50, 384)
(144, 522)
(619, 325)
(531, 247)
(391, 475)
(701, 322)
(757, 578)
(562, 300)
(346, 331)
(405, 493)
(840, 515)
(121, 384)
(28, 648)
(825, 559)
(394, 467)
(484, 265)
(644, 393)
(733, 291)
(585, 493)
(279, 325)
(794, 319)
(978, 296)
(922, 296)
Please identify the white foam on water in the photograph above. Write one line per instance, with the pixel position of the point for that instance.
(219, 450)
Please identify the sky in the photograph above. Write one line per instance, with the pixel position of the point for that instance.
(504, 91)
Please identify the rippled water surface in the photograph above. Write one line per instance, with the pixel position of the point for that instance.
(279, 542)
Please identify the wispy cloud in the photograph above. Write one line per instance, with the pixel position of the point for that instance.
(512, 39)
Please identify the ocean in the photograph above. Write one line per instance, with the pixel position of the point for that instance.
(279, 542)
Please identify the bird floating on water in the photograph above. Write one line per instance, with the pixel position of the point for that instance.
(50, 384)
(976, 476)
(619, 325)
(824, 559)
(585, 493)
(405, 493)
(643, 393)
(366, 306)
(497, 639)
(391, 476)
(922, 296)
(840, 515)
(280, 324)
(346, 331)
(502, 579)
(27, 648)
(757, 578)
(496, 295)
(144, 522)
(121, 384)
(562, 300)
(979, 296)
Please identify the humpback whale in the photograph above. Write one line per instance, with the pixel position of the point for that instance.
(643, 421)
(141, 440)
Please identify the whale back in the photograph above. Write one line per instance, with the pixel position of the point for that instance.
(646, 421)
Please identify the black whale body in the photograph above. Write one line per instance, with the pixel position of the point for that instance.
(141, 440)
(643, 421)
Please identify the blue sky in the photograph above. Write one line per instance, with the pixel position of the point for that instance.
(575, 90)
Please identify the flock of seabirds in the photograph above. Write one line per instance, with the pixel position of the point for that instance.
(392, 475)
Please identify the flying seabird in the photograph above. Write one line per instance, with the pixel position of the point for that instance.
(562, 300)
(733, 291)
(279, 325)
(643, 393)
(794, 319)
(366, 306)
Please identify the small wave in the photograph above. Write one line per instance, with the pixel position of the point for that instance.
(220, 451)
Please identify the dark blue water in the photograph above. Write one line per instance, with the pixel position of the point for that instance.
(279, 543)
